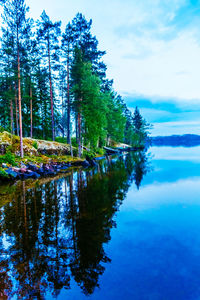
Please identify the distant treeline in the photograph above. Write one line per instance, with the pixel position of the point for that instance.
(186, 140)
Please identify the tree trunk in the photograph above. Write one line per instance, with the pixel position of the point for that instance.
(11, 115)
(76, 127)
(63, 110)
(16, 111)
(69, 141)
(19, 99)
(68, 102)
(98, 143)
(51, 94)
(79, 136)
(31, 110)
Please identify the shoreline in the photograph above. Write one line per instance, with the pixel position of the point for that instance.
(32, 170)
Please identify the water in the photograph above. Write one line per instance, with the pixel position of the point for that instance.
(129, 229)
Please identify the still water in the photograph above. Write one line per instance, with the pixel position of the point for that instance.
(129, 229)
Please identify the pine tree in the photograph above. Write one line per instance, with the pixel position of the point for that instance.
(115, 119)
(48, 33)
(88, 44)
(76, 77)
(94, 108)
(67, 47)
(16, 22)
(8, 71)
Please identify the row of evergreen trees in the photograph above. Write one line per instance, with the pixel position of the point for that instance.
(54, 83)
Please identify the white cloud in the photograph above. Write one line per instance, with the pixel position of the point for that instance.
(151, 50)
(171, 70)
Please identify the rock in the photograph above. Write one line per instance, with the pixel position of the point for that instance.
(25, 176)
(15, 169)
(12, 174)
(22, 165)
(92, 162)
(99, 158)
(43, 147)
(31, 175)
(32, 167)
(40, 171)
(85, 164)
(55, 148)
(49, 170)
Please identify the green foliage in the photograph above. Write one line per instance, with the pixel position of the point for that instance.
(115, 118)
(60, 139)
(74, 143)
(75, 152)
(137, 129)
(89, 154)
(3, 173)
(1, 129)
(78, 87)
(89, 100)
(8, 158)
(35, 145)
(100, 151)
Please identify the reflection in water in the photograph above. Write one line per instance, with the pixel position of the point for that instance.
(56, 231)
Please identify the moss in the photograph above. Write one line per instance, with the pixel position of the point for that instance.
(35, 144)
(39, 151)
(3, 173)
(61, 140)
(1, 129)
(8, 158)
(34, 159)
(63, 158)
(100, 151)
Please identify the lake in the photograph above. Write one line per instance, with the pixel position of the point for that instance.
(128, 229)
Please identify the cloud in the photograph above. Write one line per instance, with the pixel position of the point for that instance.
(175, 105)
(152, 45)
(162, 20)
(168, 116)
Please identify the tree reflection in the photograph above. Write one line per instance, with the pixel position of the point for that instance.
(137, 164)
(57, 230)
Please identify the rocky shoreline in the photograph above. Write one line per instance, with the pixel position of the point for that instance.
(31, 170)
(45, 158)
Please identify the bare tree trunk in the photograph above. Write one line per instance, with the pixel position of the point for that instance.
(31, 110)
(79, 136)
(68, 102)
(19, 99)
(71, 149)
(51, 95)
(76, 127)
(11, 115)
(16, 111)
(69, 141)
(63, 111)
(98, 143)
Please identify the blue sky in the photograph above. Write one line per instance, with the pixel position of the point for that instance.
(153, 54)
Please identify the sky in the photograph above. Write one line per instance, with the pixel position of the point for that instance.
(152, 53)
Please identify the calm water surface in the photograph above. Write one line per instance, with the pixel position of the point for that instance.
(129, 229)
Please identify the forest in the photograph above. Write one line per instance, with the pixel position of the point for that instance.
(53, 84)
